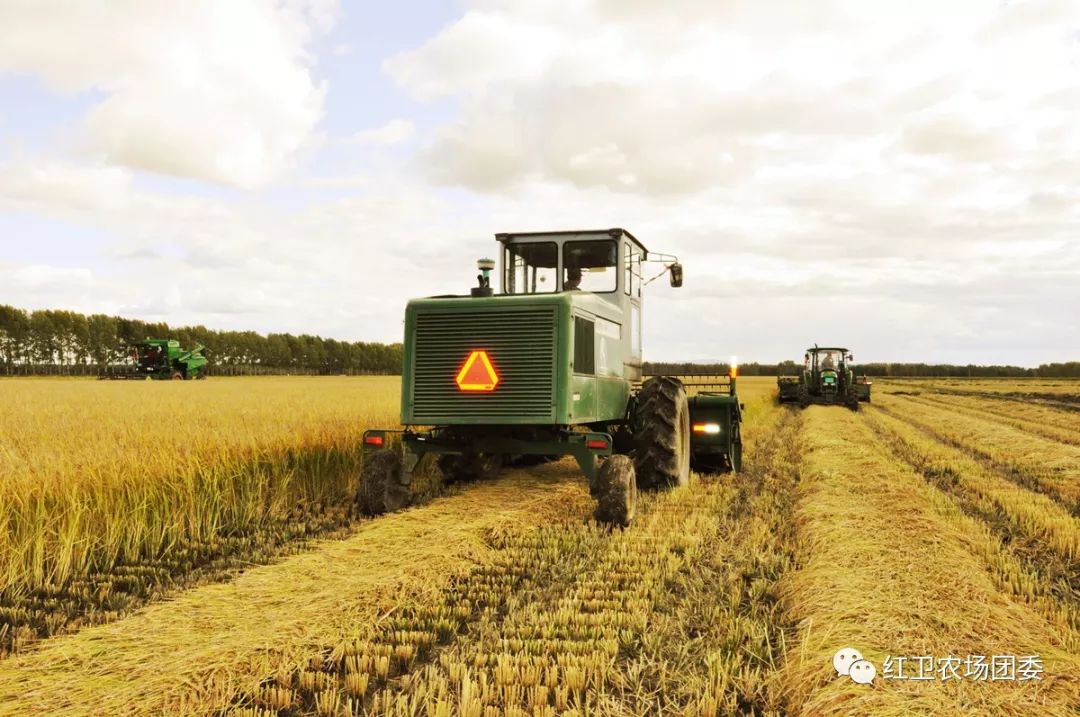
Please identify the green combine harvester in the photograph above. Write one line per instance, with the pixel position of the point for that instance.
(826, 378)
(551, 366)
(161, 359)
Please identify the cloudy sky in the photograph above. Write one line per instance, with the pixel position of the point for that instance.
(898, 177)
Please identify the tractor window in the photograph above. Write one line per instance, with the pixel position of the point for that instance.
(584, 346)
(590, 266)
(531, 268)
(632, 270)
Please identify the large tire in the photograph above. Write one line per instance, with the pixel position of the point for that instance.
(662, 434)
(616, 492)
(736, 450)
(851, 399)
(456, 468)
(381, 490)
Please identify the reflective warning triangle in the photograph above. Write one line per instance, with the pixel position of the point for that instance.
(478, 373)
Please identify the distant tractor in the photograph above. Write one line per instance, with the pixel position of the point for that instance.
(161, 359)
(551, 366)
(826, 378)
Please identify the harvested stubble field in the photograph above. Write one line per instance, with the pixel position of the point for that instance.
(208, 527)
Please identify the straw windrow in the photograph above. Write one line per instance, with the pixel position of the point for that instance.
(890, 566)
(194, 653)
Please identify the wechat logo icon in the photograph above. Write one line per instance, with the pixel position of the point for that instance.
(849, 662)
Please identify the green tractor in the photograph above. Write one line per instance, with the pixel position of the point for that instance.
(826, 378)
(549, 367)
(161, 359)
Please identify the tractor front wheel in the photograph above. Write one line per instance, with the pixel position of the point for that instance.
(662, 434)
(616, 492)
(381, 490)
(470, 466)
(176, 376)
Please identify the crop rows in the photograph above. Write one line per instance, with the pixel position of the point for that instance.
(1049, 423)
(1038, 463)
(891, 565)
(925, 524)
(1037, 542)
(674, 615)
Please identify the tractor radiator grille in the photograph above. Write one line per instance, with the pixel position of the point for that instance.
(521, 345)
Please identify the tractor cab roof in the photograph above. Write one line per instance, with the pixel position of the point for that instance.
(817, 349)
(613, 233)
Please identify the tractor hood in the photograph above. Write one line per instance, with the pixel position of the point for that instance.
(509, 359)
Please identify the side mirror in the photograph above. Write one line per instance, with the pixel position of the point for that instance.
(851, 358)
(676, 274)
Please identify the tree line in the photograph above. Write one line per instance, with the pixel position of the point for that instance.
(49, 342)
(1068, 369)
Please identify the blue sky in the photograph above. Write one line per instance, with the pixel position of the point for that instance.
(901, 179)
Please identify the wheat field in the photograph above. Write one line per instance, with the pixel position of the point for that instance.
(191, 548)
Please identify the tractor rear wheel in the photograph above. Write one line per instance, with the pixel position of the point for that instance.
(662, 434)
(470, 466)
(381, 490)
(616, 492)
(852, 401)
(736, 450)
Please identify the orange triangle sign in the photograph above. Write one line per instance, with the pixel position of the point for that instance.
(478, 374)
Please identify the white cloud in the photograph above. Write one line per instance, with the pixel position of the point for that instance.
(395, 131)
(683, 96)
(897, 177)
(205, 89)
(48, 183)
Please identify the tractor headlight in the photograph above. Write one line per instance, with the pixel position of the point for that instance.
(709, 428)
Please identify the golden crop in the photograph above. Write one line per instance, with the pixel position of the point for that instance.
(96, 475)
(929, 524)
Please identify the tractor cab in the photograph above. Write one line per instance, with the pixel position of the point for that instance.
(600, 275)
(154, 354)
(606, 263)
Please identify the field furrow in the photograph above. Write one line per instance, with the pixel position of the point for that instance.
(1037, 463)
(890, 566)
(1065, 389)
(677, 614)
(1036, 554)
(192, 654)
(1050, 423)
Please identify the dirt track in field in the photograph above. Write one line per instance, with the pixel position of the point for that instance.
(211, 642)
